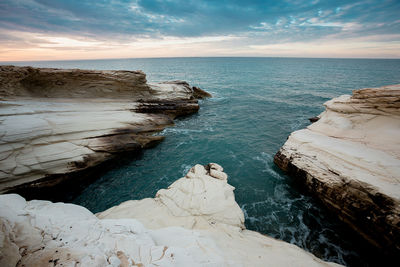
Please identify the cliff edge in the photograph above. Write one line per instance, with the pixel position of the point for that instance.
(56, 123)
(350, 159)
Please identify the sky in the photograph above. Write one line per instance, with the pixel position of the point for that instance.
(96, 29)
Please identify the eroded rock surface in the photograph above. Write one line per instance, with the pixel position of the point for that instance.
(54, 122)
(71, 83)
(350, 159)
(194, 222)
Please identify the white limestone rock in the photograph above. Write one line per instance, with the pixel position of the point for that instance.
(195, 222)
(196, 201)
(218, 174)
(206, 205)
(55, 122)
(350, 159)
(41, 233)
(215, 166)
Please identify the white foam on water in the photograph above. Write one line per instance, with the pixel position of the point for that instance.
(185, 169)
(185, 130)
(268, 160)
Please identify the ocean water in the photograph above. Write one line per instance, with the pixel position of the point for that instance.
(256, 104)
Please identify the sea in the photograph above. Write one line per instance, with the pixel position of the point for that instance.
(256, 104)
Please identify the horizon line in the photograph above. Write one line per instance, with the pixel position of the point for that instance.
(94, 59)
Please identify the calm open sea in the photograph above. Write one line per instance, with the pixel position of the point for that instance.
(256, 104)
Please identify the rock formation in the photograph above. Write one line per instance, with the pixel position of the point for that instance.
(54, 123)
(195, 222)
(350, 159)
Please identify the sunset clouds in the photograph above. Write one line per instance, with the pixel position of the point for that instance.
(50, 29)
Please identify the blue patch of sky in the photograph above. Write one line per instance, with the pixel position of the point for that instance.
(188, 18)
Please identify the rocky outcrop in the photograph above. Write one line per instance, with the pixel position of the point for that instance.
(194, 222)
(72, 83)
(55, 123)
(200, 199)
(350, 159)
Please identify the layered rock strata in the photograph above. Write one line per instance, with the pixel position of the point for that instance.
(58, 122)
(350, 159)
(194, 222)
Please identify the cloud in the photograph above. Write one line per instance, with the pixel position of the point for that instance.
(360, 47)
(84, 23)
(184, 17)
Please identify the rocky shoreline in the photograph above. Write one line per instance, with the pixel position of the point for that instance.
(58, 123)
(195, 221)
(350, 159)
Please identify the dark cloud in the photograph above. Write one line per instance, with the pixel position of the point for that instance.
(294, 19)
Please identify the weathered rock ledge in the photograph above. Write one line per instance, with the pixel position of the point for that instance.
(55, 123)
(194, 222)
(350, 160)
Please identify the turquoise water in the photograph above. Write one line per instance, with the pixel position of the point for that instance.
(257, 103)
